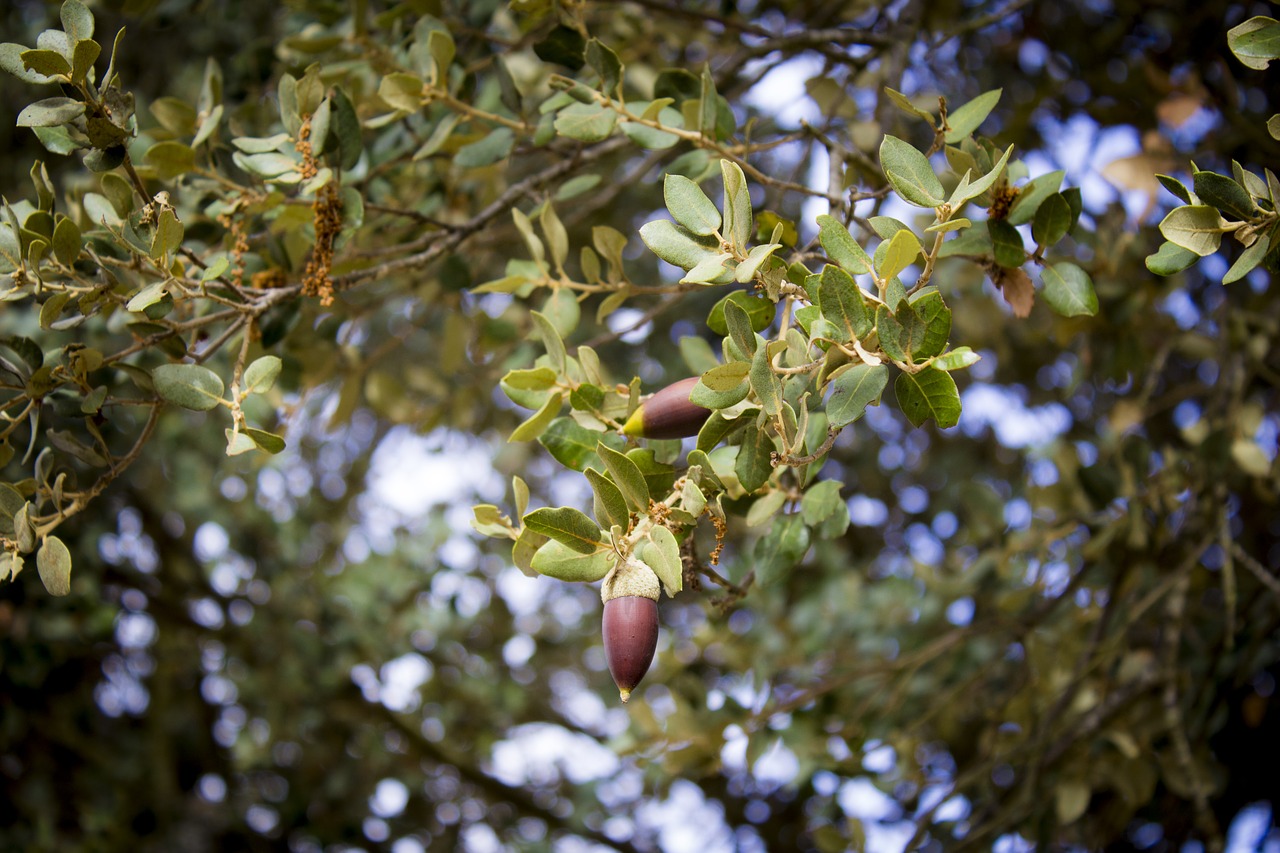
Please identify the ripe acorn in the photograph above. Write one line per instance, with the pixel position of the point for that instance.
(668, 413)
(630, 623)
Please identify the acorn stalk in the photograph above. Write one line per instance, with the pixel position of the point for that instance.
(668, 413)
(630, 623)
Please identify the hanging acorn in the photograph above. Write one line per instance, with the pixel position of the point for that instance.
(630, 623)
(668, 413)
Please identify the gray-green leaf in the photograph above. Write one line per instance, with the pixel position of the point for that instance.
(650, 137)
(168, 235)
(260, 375)
(855, 389)
(1195, 227)
(760, 311)
(739, 326)
(54, 563)
(737, 205)
(781, 548)
(1225, 194)
(965, 190)
(1031, 194)
(66, 242)
(931, 393)
(765, 382)
(958, 359)
(77, 20)
(966, 119)
(551, 340)
(677, 246)
(662, 554)
(1052, 220)
(573, 445)
(1255, 42)
(266, 165)
(263, 440)
(11, 61)
(557, 560)
(609, 500)
(50, 112)
(690, 205)
(50, 63)
(191, 386)
(1170, 258)
(840, 246)
(1248, 260)
(606, 63)
(569, 526)
(722, 386)
(172, 158)
(842, 304)
(820, 502)
(586, 122)
(747, 269)
(627, 475)
(238, 443)
(24, 531)
(902, 250)
(909, 172)
(1069, 290)
(1007, 243)
(535, 424)
(755, 458)
(486, 151)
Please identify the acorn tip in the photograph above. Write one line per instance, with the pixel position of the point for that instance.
(635, 424)
(624, 694)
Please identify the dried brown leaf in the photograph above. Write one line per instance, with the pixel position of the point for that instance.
(1017, 288)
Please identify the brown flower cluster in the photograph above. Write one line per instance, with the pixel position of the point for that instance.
(722, 529)
(1002, 200)
(303, 147)
(239, 245)
(317, 280)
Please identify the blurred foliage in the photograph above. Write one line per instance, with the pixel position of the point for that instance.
(265, 286)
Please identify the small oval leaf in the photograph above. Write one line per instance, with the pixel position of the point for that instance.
(191, 386)
(54, 564)
(260, 375)
(557, 560)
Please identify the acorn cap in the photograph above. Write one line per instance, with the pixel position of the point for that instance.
(631, 577)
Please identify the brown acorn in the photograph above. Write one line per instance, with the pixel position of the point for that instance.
(668, 413)
(630, 623)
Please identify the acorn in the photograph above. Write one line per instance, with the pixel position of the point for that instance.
(630, 623)
(668, 413)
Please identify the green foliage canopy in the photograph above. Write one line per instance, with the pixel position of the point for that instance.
(228, 301)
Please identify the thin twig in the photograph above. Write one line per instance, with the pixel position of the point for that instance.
(1255, 568)
(1175, 611)
(830, 442)
(646, 317)
(500, 206)
(82, 500)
